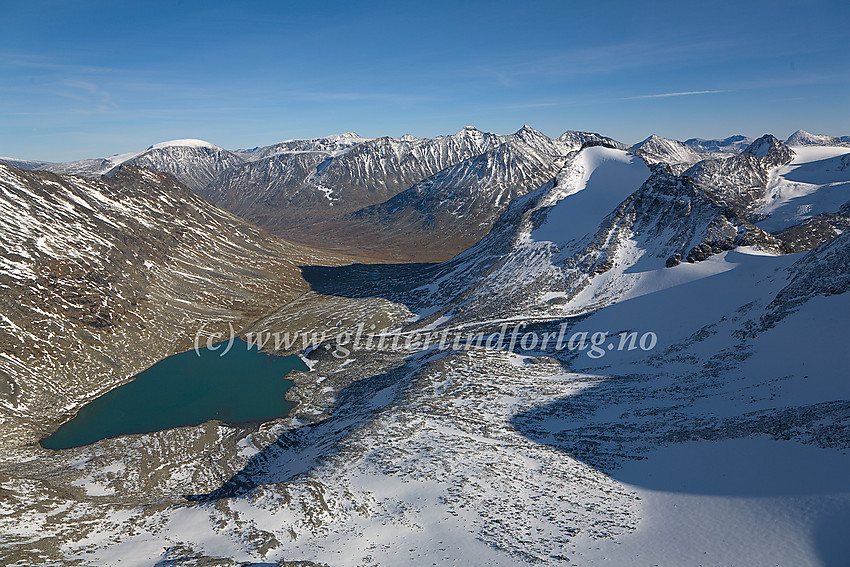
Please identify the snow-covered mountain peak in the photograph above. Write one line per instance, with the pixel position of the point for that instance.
(186, 143)
(657, 148)
(652, 139)
(528, 133)
(526, 129)
(772, 151)
(346, 137)
(803, 138)
(574, 139)
(468, 133)
(762, 146)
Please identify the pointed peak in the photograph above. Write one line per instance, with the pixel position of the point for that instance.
(528, 130)
(803, 138)
(763, 145)
(771, 150)
(654, 140)
(468, 131)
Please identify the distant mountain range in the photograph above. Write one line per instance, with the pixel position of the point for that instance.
(380, 195)
(726, 146)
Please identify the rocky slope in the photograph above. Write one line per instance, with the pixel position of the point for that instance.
(193, 162)
(325, 183)
(103, 277)
(334, 190)
(741, 181)
(458, 205)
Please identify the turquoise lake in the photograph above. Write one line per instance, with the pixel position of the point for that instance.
(185, 389)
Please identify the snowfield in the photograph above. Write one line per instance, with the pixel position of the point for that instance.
(602, 177)
(814, 182)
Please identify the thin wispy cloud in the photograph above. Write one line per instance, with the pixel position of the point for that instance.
(682, 93)
(46, 63)
(534, 105)
(400, 98)
(86, 92)
(608, 59)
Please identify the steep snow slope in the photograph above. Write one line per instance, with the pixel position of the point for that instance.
(617, 218)
(597, 181)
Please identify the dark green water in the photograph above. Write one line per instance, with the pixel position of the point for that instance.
(186, 389)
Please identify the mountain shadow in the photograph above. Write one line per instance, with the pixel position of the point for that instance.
(388, 281)
(650, 431)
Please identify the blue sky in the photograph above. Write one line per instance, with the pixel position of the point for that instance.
(90, 79)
